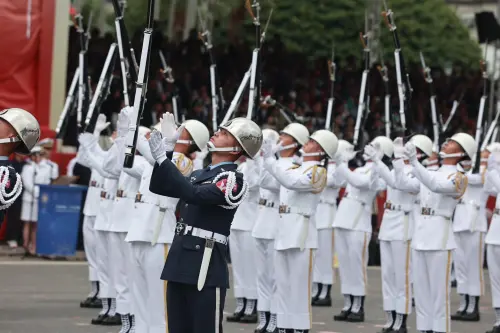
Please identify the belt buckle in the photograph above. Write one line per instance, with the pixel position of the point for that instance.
(262, 202)
(388, 205)
(282, 209)
(138, 197)
(103, 194)
(179, 228)
(93, 183)
(119, 193)
(426, 211)
(270, 204)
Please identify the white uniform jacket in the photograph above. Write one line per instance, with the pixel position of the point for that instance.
(492, 186)
(355, 208)
(399, 208)
(54, 168)
(268, 214)
(34, 174)
(245, 216)
(327, 207)
(300, 192)
(439, 192)
(470, 214)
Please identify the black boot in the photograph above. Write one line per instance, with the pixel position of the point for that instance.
(316, 295)
(101, 317)
(342, 316)
(359, 316)
(473, 315)
(263, 321)
(114, 320)
(400, 324)
(238, 313)
(388, 329)
(327, 301)
(459, 314)
(496, 329)
(92, 301)
(250, 313)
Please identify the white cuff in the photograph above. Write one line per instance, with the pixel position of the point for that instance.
(161, 159)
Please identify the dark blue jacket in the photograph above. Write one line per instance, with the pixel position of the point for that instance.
(200, 207)
(10, 187)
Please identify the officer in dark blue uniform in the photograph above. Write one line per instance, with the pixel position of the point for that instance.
(196, 266)
(19, 133)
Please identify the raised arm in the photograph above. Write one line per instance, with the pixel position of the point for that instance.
(359, 180)
(454, 185)
(144, 150)
(268, 182)
(313, 179)
(113, 162)
(383, 171)
(403, 181)
(137, 169)
(335, 179)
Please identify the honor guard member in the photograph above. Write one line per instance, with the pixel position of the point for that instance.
(196, 266)
(242, 245)
(90, 210)
(291, 139)
(323, 276)
(353, 228)
(47, 145)
(108, 165)
(297, 236)
(492, 185)
(433, 238)
(19, 133)
(469, 227)
(395, 233)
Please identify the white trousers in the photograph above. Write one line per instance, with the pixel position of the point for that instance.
(106, 285)
(89, 244)
(293, 272)
(468, 258)
(148, 290)
(323, 258)
(351, 248)
(431, 285)
(120, 262)
(395, 269)
(493, 259)
(264, 264)
(243, 252)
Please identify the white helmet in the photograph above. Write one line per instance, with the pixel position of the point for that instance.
(493, 147)
(343, 146)
(246, 132)
(327, 140)
(385, 144)
(198, 132)
(26, 127)
(467, 143)
(270, 135)
(423, 143)
(143, 131)
(297, 131)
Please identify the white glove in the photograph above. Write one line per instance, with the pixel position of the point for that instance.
(399, 150)
(86, 140)
(372, 152)
(157, 147)
(169, 130)
(36, 191)
(411, 152)
(494, 161)
(266, 149)
(100, 125)
(123, 121)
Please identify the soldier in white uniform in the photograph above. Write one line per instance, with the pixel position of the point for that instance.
(242, 247)
(323, 276)
(433, 239)
(300, 192)
(153, 224)
(47, 145)
(492, 185)
(34, 173)
(353, 228)
(108, 164)
(89, 215)
(291, 140)
(395, 234)
(470, 226)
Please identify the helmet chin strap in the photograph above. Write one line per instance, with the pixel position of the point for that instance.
(318, 153)
(10, 140)
(293, 145)
(185, 142)
(211, 148)
(444, 155)
(428, 162)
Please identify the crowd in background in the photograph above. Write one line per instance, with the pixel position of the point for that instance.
(300, 84)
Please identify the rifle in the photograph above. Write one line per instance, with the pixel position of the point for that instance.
(404, 88)
(454, 108)
(169, 78)
(83, 79)
(140, 90)
(254, 92)
(68, 105)
(435, 125)
(387, 99)
(218, 101)
(332, 67)
(102, 89)
(363, 97)
(476, 160)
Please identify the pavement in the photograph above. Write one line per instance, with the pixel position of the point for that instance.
(43, 296)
